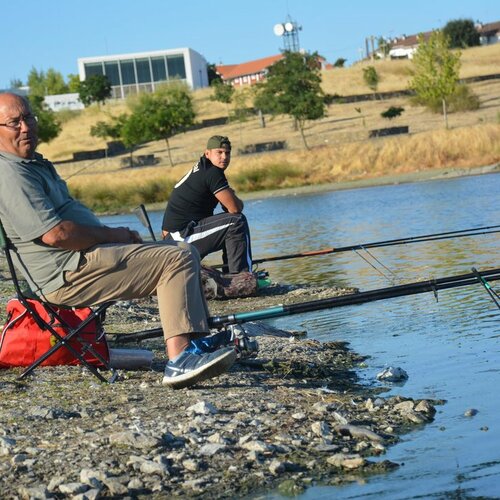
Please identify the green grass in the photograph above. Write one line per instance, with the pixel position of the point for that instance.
(274, 176)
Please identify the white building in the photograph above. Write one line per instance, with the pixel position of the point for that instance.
(63, 101)
(145, 71)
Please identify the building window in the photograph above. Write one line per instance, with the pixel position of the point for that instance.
(159, 70)
(128, 72)
(176, 68)
(92, 69)
(143, 71)
(112, 73)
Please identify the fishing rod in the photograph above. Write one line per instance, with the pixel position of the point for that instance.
(376, 244)
(142, 215)
(345, 300)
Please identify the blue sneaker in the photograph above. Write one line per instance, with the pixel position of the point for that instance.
(234, 336)
(211, 343)
(189, 368)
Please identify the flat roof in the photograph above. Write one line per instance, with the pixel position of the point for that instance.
(136, 55)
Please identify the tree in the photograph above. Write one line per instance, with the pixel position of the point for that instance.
(36, 82)
(15, 83)
(54, 83)
(73, 83)
(111, 130)
(339, 63)
(435, 72)
(95, 88)
(48, 125)
(43, 83)
(293, 87)
(371, 78)
(383, 47)
(223, 92)
(462, 33)
(212, 74)
(133, 132)
(164, 113)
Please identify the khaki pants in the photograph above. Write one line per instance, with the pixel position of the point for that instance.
(132, 271)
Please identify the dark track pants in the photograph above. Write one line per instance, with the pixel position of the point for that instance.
(227, 232)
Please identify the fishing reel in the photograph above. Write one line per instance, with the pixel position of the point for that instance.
(244, 345)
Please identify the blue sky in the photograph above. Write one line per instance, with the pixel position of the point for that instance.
(55, 33)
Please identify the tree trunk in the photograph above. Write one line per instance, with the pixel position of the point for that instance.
(262, 119)
(168, 151)
(301, 128)
(445, 113)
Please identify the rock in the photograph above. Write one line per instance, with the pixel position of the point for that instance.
(470, 412)
(258, 446)
(392, 374)
(358, 432)
(73, 488)
(134, 439)
(277, 467)
(202, 408)
(34, 493)
(211, 449)
(321, 429)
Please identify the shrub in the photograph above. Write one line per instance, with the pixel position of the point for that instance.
(270, 177)
(392, 112)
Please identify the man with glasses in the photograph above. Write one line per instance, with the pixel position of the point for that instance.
(69, 258)
(189, 215)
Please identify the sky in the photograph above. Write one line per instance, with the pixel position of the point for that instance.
(45, 34)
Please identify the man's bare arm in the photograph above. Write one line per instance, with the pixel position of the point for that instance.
(72, 236)
(230, 201)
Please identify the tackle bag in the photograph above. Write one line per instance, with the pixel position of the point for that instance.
(23, 341)
(217, 285)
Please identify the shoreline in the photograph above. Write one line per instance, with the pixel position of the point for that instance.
(385, 180)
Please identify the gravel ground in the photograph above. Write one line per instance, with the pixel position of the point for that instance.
(294, 416)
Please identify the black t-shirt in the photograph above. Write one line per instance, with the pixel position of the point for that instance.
(193, 197)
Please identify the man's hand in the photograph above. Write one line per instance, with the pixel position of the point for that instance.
(72, 236)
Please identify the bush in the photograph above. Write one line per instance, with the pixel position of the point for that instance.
(392, 112)
(463, 99)
(279, 175)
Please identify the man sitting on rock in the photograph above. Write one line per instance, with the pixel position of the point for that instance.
(189, 215)
(69, 258)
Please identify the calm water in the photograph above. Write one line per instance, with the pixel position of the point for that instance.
(450, 348)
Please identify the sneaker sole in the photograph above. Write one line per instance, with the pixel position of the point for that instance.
(213, 369)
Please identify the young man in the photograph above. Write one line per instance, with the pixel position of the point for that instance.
(189, 215)
(69, 258)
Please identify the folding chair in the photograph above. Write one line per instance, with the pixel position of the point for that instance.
(79, 346)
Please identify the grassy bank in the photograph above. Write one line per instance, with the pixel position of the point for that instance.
(340, 146)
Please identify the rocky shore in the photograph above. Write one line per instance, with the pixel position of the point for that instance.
(294, 416)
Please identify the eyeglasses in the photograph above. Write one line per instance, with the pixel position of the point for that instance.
(15, 123)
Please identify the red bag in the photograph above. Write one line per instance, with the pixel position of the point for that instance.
(23, 341)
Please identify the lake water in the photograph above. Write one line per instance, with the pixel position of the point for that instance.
(450, 348)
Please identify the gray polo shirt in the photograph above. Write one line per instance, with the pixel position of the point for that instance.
(33, 200)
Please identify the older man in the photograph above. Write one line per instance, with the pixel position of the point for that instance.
(69, 258)
(189, 215)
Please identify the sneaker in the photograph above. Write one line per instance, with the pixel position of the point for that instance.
(189, 368)
(234, 336)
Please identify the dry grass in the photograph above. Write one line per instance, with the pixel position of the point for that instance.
(340, 146)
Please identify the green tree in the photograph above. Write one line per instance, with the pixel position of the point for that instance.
(212, 74)
(223, 92)
(95, 88)
(340, 62)
(293, 87)
(435, 72)
(383, 46)
(133, 132)
(15, 83)
(36, 82)
(371, 78)
(462, 33)
(54, 83)
(164, 113)
(48, 125)
(43, 83)
(73, 83)
(109, 130)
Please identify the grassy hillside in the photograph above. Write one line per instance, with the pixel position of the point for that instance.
(340, 150)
